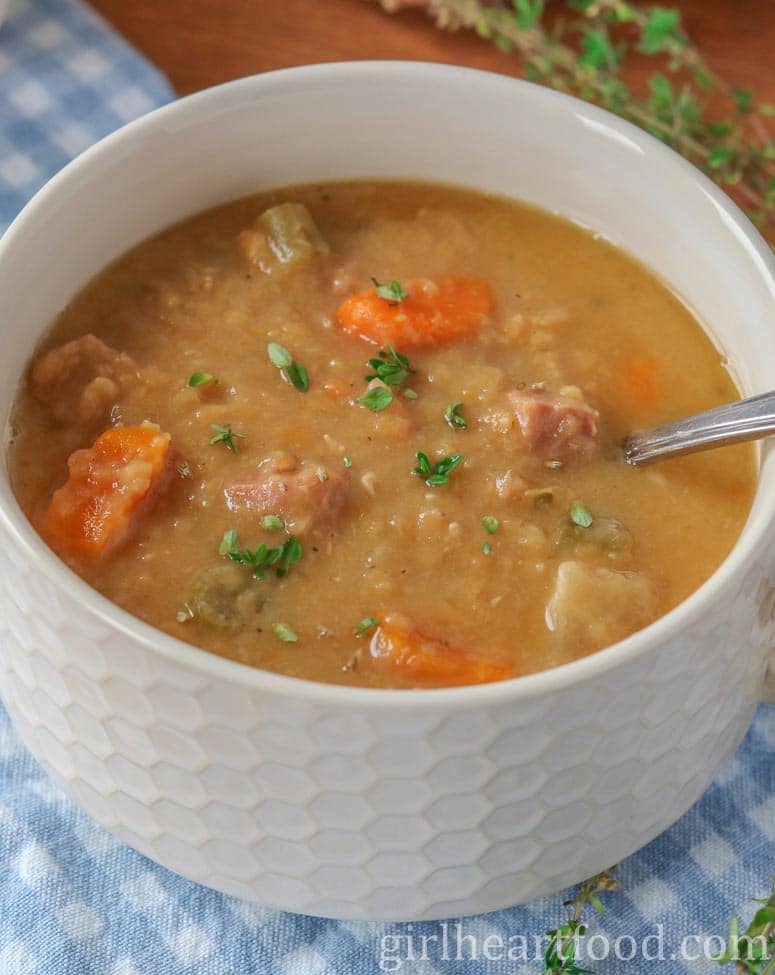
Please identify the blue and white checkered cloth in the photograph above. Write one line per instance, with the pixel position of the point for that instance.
(75, 901)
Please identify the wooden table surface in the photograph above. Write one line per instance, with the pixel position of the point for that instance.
(198, 43)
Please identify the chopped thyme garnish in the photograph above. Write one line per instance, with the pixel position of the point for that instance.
(393, 292)
(486, 548)
(366, 624)
(453, 416)
(258, 559)
(226, 436)
(377, 399)
(389, 366)
(490, 524)
(285, 632)
(200, 379)
(298, 376)
(348, 462)
(278, 355)
(580, 514)
(438, 474)
(294, 372)
(272, 523)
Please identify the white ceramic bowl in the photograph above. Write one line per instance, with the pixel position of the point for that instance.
(362, 803)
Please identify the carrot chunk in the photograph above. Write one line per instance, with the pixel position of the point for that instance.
(436, 311)
(427, 660)
(94, 509)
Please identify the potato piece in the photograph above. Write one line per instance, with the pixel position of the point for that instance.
(592, 607)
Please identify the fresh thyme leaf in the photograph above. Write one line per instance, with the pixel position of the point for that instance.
(490, 524)
(294, 372)
(285, 632)
(366, 624)
(453, 416)
(377, 399)
(580, 514)
(226, 436)
(282, 556)
(439, 473)
(200, 379)
(272, 523)
(423, 468)
(392, 369)
(230, 543)
(447, 464)
(348, 462)
(298, 375)
(290, 553)
(278, 355)
(486, 548)
(393, 291)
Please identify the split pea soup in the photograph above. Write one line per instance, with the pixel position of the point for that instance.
(368, 433)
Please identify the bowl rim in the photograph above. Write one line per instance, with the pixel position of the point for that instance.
(752, 540)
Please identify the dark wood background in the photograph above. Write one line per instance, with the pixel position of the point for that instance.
(198, 43)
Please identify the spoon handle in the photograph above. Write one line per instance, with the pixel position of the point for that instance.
(748, 419)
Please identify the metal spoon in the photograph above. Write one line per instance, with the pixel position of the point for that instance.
(748, 419)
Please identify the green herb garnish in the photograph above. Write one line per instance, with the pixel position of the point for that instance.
(393, 292)
(486, 548)
(366, 624)
(200, 379)
(377, 399)
(438, 474)
(453, 416)
(278, 355)
(389, 366)
(580, 514)
(490, 524)
(272, 523)
(293, 371)
(410, 394)
(227, 436)
(282, 557)
(298, 376)
(285, 632)
(348, 462)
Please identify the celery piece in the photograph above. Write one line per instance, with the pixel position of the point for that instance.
(292, 234)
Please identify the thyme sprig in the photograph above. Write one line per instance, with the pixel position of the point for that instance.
(753, 951)
(560, 956)
(721, 128)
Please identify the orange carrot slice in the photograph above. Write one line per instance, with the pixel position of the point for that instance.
(94, 509)
(436, 311)
(426, 660)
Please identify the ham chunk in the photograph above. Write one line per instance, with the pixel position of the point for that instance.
(561, 424)
(307, 494)
(81, 380)
(593, 607)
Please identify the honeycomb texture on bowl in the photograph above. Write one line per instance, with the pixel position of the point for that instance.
(375, 812)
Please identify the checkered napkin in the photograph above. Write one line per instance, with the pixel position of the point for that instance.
(66, 80)
(75, 901)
